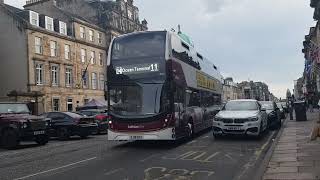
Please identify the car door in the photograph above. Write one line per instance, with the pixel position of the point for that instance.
(57, 119)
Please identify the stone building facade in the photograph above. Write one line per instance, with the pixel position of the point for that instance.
(61, 58)
(255, 90)
(115, 16)
(230, 90)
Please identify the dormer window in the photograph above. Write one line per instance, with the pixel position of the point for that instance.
(34, 18)
(82, 33)
(63, 27)
(49, 23)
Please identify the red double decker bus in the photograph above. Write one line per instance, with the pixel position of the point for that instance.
(159, 87)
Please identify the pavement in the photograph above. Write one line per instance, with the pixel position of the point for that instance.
(294, 156)
(203, 158)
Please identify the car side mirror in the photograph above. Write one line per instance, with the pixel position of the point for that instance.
(263, 109)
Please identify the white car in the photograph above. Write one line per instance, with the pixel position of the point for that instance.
(243, 116)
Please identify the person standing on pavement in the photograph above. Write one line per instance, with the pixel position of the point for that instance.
(310, 106)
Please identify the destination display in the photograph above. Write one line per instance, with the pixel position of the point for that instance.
(205, 81)
(137, 69)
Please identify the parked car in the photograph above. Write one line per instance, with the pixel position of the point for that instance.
(240, 117)
(66, 124)
(282, 111)
(101, 117)
(17, 124)
(285, 107)
(274, 115)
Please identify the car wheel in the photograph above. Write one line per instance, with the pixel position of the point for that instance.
(63, 133)
(42, 139)
(10, 139)
(84, 135)
(260, 131)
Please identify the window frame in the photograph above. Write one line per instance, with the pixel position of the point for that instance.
(82, 32)
(53, 49)
(49, 21)
(53, 104)
(100, 56)
(99, 37)
(31, 13)
(92, 57)
(38, 46)
(67, 52)
(57, 78)
(101, 81)
(83, 55)
(85, 85)
(63, 28)
(68, 76)
(39, 74)
(94, 81)
(91, 35)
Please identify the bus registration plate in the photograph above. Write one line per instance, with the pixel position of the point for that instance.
(136, 137)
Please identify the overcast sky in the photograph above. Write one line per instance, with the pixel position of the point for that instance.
(259, 40)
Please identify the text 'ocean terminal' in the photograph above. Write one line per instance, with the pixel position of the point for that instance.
(136, 69)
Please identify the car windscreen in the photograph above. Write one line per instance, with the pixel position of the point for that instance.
(13, 108)
(241, 106)
(73, 115)
(267, 105)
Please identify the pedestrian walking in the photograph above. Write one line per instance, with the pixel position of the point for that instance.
(311, 107)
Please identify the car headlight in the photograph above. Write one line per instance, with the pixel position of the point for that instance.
(253, 119)
(218, 119)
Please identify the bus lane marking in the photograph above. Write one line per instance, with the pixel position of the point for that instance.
(194, 158)
(149, 157)
(158, 173)
(175, 157)
(208, 159)
(113, 171)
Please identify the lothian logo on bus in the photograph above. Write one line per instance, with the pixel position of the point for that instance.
(135, 69)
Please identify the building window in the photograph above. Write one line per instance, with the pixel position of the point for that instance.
(34, 18)
(68, 77)
(49, 23)
(101, 59)
(53, 48)
(55, 75)
(101, 79)
(99, 38)
(38, 45)
(56, 104)
(86, 101)
(82, 33)
(85, 79)
(94, 81)
(39, 74)
(91, 36)
(67, 53)
(69, 105)
(92, 57)
(83, 55)
(63, 28)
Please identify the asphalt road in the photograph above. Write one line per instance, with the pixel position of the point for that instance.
(95, 158)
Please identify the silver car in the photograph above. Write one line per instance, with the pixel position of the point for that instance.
(243, 116)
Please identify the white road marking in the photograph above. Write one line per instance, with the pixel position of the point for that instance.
(149, 157)
(50, 170)
(213, 155)
(113, 171)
